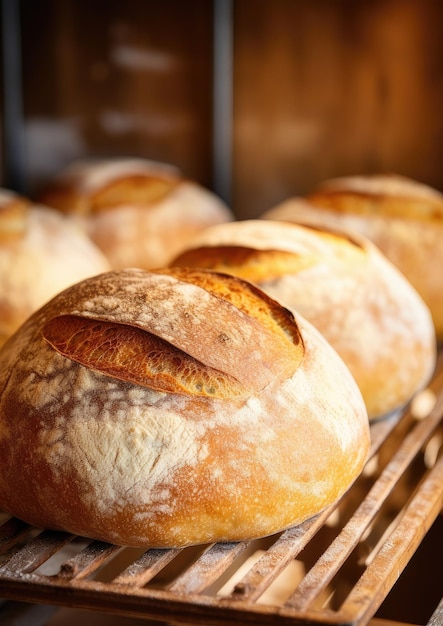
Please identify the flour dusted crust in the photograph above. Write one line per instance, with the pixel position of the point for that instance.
(41, 253)
(139, 212)
(345, 287)
(403, 217)
(113, 425)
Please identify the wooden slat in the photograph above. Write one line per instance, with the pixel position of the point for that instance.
(36, 552)
(208, 568)
(87, 561)
(12, 532)
(145, 567)
(437, 616)
(380, 431)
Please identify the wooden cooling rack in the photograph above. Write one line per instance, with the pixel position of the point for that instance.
(336, 568)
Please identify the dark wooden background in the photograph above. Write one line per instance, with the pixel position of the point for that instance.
(315, 89)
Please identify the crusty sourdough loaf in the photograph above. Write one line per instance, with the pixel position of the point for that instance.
(404, 218)
(174, 407)
(41, 253)
(344, 286)
(140, 213)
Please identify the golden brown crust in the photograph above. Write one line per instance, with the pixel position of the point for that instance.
(109, 458)
(342, 284)
(140, 213)
(401, 216)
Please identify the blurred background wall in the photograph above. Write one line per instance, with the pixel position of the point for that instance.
(256, 100)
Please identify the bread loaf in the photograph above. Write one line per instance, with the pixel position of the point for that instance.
(404, 218)
(41, 253)
(173, 408)
(343, 285)
(140, 213)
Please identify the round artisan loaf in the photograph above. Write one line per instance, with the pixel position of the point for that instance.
(41, 253)
(402, 217)
(140, 213)
(343, 285)
(173, 408)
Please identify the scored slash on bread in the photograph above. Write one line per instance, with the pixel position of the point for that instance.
(241, 333)
(87, 187)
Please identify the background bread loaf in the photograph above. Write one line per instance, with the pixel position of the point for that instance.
(403, 217)
(41, 253)
(342, 284)
(171, 408)
(140, 213)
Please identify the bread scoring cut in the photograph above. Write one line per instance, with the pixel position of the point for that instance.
(388, 195)
(128, 353)
(249, 342)
(86, 187)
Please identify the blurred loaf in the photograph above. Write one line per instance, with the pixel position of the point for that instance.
(139, 212)
(41, 253)
(403, 217)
